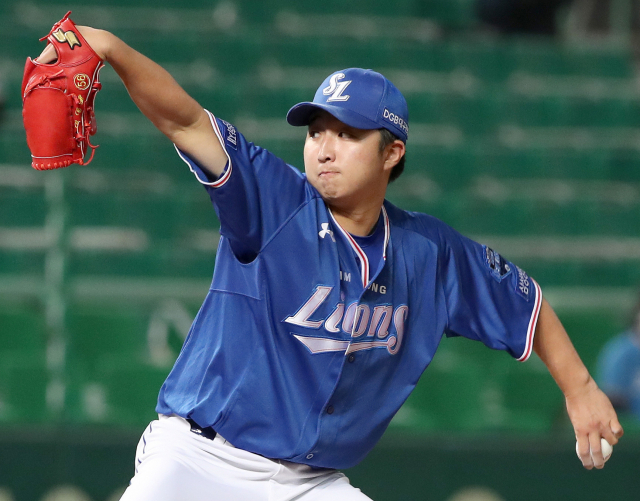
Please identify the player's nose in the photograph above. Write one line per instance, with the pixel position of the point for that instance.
(326, 149)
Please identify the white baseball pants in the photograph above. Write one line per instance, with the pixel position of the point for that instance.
(175, 464)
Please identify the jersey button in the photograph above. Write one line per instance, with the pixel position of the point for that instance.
(309, 456)
(330, 409)
(352, 357)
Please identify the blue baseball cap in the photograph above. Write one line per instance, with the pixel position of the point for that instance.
(363, 99)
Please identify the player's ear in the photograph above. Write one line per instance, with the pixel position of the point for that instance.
(393, 153)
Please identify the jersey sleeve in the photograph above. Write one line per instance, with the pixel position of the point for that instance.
(256, 193)
(488, 298)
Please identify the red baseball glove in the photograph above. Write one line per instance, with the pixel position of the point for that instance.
(57, 100)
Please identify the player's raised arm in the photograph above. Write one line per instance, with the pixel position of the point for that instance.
(589, 409)
(159, 97)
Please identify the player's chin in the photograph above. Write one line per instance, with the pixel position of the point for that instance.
(329, 195)
(327, 189)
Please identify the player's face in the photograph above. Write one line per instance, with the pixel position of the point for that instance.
(344, 163)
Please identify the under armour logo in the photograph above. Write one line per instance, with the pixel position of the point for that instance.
(326, 231)
(335, 88)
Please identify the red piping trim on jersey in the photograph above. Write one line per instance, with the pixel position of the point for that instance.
(532, 323)
(364, 271)
(387, 233)
(227, 172)
(364, 274)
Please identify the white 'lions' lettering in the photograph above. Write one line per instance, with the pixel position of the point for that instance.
(361, 321)
(302, 316)
(399, 317)
(335, 88)
(380, 321)
(356, 319)
(349, 317)
(332, 323)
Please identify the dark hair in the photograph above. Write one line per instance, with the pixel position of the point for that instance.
(386, 138)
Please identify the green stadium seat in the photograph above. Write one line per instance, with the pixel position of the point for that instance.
(475, 115)
(149, 155)
(449, 13)
(533, 401)
(13, 147)
(528, 112)
(129, 389)
(543, 163)
(20, 262)
(447, 399)
(23, 390)
(362, 7)
(96, 333)
(490, 61)
(22, 208)
(545, 57)
(435, 56)
(22, 330)
(157, 214)
(591, 330)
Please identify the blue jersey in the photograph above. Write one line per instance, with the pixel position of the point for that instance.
(303, 352)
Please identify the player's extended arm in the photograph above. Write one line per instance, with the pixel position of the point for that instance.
(589, 409)
(159, 97)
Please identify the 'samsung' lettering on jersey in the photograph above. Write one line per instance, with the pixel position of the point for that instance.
(356, 319)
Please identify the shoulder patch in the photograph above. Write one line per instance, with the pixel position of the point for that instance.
(495, 262)
(230, 135)
(524, 283)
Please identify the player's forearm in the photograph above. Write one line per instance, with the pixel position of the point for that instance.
(152, 88)
(161, 99)
(553, 346)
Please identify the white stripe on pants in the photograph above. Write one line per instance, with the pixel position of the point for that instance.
(174, 464)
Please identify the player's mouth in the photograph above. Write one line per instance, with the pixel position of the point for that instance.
(328, 174)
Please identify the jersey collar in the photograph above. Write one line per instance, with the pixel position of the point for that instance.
(365, 271)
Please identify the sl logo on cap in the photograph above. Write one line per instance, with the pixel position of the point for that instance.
(336, 88)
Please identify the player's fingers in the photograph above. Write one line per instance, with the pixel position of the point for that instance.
(596, 450)
(48, 55)
(612, 432)
(617, 430)
(609, 436)
(584, 451)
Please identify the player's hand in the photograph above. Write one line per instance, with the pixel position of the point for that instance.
(99, 40)
(593, 417)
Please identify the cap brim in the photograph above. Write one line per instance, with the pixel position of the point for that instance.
(302, 113)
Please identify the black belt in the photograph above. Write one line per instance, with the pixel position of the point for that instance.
(208, 432)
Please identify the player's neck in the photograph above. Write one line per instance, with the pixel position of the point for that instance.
(358, 222)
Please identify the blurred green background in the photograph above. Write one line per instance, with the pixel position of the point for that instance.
(530, 144)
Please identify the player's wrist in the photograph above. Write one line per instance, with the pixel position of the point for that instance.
(101, 41)
(580, 384)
